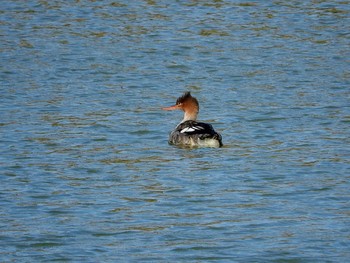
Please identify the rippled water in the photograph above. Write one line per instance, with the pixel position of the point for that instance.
(86, 174)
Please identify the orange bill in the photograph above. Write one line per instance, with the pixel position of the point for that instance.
(174, 107)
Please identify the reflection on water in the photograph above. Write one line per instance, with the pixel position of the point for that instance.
(86, 171)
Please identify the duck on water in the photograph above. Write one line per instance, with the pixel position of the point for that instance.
(189, 132)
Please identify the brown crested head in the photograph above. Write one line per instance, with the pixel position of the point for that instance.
(187, 102)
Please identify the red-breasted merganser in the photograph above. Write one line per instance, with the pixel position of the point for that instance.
(189, 132)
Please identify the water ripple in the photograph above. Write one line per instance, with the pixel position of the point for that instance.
(86, 171)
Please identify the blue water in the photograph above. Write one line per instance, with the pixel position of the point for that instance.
(86, 174)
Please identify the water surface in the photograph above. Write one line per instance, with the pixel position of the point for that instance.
(86, 172)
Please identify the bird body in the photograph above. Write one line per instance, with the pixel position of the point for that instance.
(189, 132)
